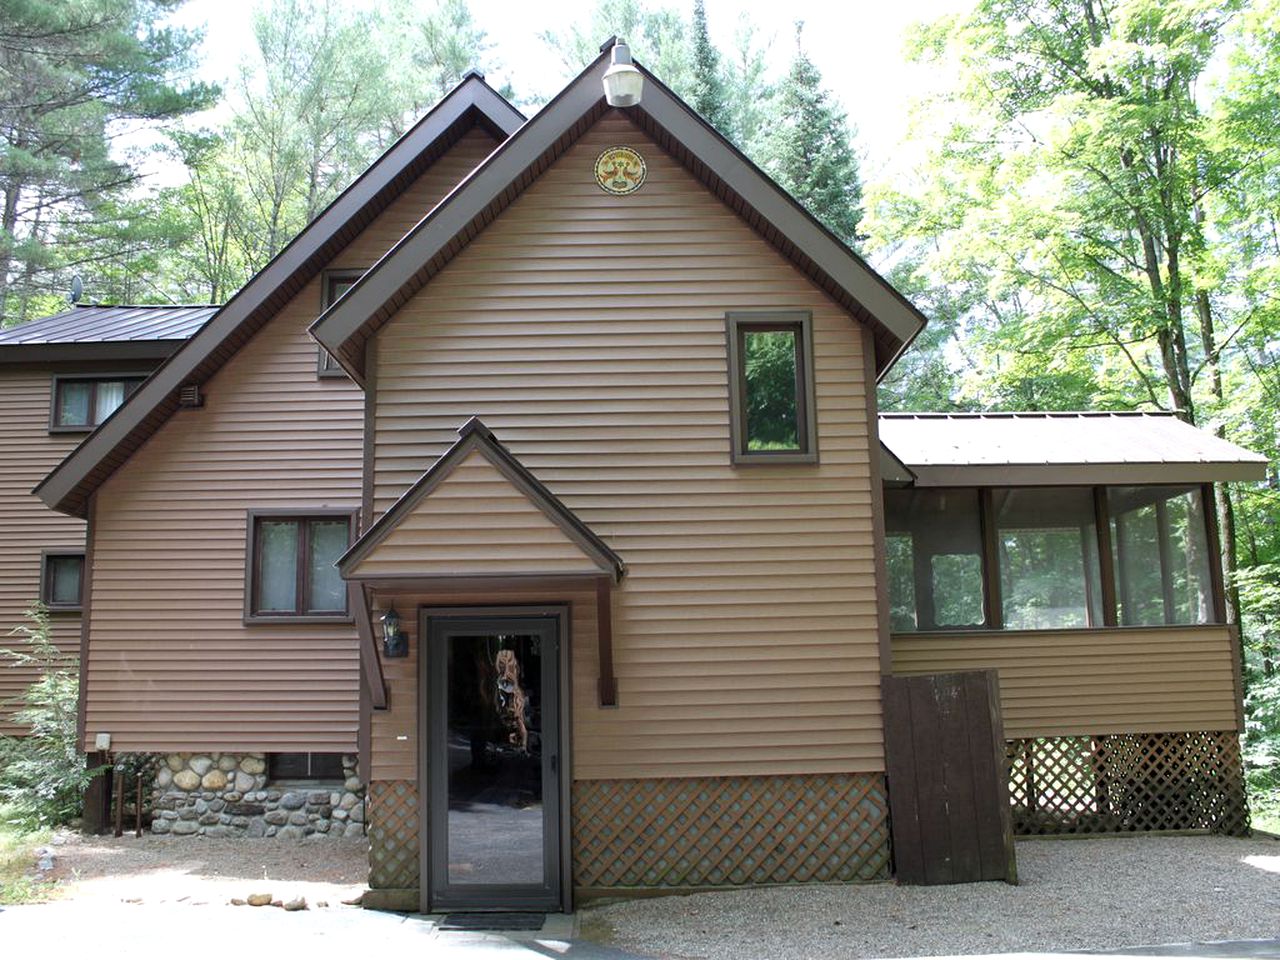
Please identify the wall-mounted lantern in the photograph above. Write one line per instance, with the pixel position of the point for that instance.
(623, 82)
(395, 642)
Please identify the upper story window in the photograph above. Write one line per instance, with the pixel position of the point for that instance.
(771, 388)
(81, 403)
(62, 579)
(291, 565)
(333, 284)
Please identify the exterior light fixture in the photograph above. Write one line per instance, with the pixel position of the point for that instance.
(623, 83)
(395, 642)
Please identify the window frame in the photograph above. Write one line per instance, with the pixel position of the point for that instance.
(252, 567)
(311, 777)
(127, 376)
(1109, 599)
(737, 324)
(326, 367)
(46, 581)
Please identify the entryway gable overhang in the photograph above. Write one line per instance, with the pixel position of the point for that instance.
(574, 538)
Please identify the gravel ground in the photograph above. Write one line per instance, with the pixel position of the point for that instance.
(1075, 895)
(199, 870)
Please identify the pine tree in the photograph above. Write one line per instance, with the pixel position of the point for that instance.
(707, 95)
(810, 149)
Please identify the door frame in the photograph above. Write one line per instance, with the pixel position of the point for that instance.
(559, 614)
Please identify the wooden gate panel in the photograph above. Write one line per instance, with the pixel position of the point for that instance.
(948, 797)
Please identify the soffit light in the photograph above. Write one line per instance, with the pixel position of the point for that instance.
(623, 82)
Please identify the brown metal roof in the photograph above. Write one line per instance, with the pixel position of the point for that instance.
(992, 449)
(345, 328)
(471, 102)
(100, 323)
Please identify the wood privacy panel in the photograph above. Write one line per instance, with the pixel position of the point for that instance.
(171, 664)
(27, 452)
(1060, 683)
(588, 332)
(395, 836)
(475, 522)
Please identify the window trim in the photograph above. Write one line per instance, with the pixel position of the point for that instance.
(737, 322)
(251, 561)
(329, 279)
(46, 582)
(95, 378)
(310, 778)
(1110, 599)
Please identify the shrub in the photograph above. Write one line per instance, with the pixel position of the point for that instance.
(43, 775)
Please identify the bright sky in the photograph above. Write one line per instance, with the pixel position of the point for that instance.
(857, 44)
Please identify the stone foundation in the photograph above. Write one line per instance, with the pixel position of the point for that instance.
(227, 795)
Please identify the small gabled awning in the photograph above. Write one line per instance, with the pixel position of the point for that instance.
(1046, 449)
(478, 513)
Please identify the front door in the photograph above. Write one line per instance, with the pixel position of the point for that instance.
(493, 762)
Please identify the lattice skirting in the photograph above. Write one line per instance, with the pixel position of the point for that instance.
(730, 831)
(1126, 783)
(393, 834)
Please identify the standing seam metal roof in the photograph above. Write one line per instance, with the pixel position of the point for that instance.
(102, 323)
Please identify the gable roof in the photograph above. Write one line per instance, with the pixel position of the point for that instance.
(475, 438)
(347, 325)
(472, 102)
(104, 332)
(995, 449)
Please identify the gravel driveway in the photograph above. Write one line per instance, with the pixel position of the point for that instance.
(1075, 895)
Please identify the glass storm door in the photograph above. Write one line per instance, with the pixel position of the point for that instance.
(493, 762)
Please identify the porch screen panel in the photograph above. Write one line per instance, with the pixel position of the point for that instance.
(1047, 542)
(1161, 549)
(935, 559)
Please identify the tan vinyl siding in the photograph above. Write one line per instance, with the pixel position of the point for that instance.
(1061, 683)
(171, 665)
(475, 523)
(27, 452)
(588, 332)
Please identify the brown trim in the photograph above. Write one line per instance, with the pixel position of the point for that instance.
(368, 444)
(878, 526)
(737, 323)
(373, 684)
(27, 354)
(46, 555)
(327, 368)
(471, 102)
(252, 558)
(1213, 536)
(444, 231)
(1106, 559)
(486, 582)
(86, 597)
(607, 683)
(992, 588)
(474, 435)
(1060, 631)
(1237, 673)
(96, 378)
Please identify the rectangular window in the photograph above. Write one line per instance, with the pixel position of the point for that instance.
(333, 285)
(1047, 541)
(934, 540)
(81, 403)
(291, 568)
(305, 766)
(771, 388)
(62, 580)
(1159, 542)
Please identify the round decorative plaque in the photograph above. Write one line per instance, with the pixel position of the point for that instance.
(620, 170)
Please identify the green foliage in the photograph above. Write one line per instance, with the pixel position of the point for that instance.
(809, 150)
(707, 89)
(72, 73)
(770, 373)
(43, 774)
(17, 857)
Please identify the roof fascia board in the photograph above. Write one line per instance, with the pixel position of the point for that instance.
(1096, 474)
(398, 266)
(471, 94)
(27, 353)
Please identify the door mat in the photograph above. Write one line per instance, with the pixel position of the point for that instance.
(493, 921)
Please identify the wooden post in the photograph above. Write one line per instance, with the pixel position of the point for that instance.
(137, 806)
(608, 684)
(117, 790)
